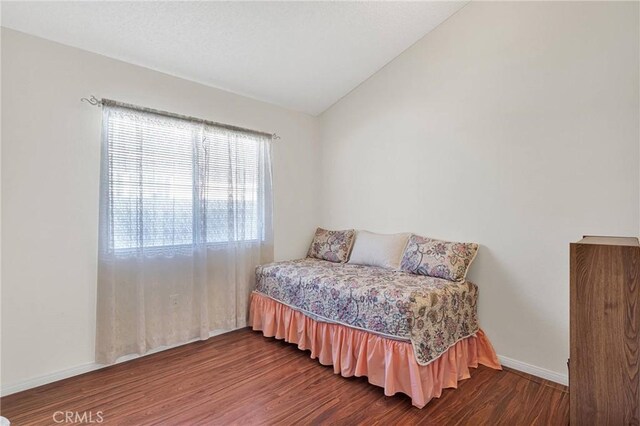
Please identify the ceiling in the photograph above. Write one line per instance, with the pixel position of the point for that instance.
(303, 56)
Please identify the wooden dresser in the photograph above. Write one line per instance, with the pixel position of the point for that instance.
(604, 368)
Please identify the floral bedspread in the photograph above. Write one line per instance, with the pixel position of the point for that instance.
(432, 313)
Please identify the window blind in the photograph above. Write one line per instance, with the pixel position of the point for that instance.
(174, 183)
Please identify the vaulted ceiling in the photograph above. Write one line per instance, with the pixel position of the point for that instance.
(300, 55)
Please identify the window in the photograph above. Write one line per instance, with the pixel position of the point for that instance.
(178, 183)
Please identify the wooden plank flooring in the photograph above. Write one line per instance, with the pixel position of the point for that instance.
(245, 378)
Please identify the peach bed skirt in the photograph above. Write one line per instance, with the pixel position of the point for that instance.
(387, 363)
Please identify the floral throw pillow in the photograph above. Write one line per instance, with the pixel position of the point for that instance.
(439, 259)
(333, 246)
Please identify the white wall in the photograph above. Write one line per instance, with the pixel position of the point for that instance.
(50, 178)
(515, 125)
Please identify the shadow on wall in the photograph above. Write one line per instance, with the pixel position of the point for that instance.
(518, 318)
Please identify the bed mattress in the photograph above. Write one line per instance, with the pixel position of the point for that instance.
(432, 313)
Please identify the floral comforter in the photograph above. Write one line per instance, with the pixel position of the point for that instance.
(432, 313)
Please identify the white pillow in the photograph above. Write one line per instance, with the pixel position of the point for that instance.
(384, 250)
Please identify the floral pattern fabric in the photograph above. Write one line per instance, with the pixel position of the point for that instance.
(333, 246)
(430, 312)
(440, 259)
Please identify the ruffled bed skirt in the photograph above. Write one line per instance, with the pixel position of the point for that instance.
(387, 363)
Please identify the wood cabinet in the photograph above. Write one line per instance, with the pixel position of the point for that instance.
(604, 376)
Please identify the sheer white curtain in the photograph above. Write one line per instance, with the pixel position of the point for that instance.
(185, 217)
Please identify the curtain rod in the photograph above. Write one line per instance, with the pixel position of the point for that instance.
(100, 102)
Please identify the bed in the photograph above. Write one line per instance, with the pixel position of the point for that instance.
(407, 333)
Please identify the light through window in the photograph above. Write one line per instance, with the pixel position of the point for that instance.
(178, 183)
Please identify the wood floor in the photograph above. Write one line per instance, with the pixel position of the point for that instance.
(245, 378)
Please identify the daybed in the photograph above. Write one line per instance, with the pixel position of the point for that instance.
(405, 332)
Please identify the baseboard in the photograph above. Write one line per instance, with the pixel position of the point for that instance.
(85, 368)
(49, 378)
(543, 373)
